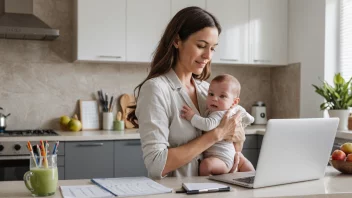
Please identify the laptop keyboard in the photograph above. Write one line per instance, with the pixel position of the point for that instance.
(248, 180)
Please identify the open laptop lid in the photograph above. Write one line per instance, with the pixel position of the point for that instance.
(295, 150)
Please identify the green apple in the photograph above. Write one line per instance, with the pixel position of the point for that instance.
(74, 125)
(64, 120)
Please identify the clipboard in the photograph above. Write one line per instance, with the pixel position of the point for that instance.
(89, 113)
(196, 188)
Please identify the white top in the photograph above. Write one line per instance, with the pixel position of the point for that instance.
(223, 150)
(160, 125)
(214, 118)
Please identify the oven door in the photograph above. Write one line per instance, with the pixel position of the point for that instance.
(12, 168)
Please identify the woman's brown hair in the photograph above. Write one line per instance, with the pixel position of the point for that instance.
(186, 22)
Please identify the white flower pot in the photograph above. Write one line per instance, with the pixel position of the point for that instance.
(343, 115)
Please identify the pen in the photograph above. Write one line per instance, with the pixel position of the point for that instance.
(209, 190)
(46, 147)
(29, 146)
(40, 155)
(44, 154)
(55, 147)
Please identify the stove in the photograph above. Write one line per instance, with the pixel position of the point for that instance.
(14, 155)
(37, 132)
(18, 148)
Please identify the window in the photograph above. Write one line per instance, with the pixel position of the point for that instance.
(346, 39)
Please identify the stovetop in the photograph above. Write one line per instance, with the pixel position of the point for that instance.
(37, 132)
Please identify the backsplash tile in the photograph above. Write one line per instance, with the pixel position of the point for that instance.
(40, 83)
(285, 89)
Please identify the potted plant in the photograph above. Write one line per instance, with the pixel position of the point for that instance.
(337, 99)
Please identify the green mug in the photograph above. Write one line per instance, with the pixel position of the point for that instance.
(41, 179)
(119, 125)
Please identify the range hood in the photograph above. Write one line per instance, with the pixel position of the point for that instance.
(17, 21)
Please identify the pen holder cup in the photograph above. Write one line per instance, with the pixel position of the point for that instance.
(42, 177)
(108, 120)
(119, 125)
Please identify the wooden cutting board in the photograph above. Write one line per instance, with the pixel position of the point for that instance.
(125, 101)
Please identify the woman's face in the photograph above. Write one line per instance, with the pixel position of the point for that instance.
(197, 50)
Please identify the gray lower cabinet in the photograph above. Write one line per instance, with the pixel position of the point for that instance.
(60, 160)
(251, 148)
(128, 159)
(251, 155)
(89, 159)
(61, 172)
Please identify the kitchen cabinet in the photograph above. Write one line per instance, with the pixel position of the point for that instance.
(250, 149)
(146, 22)
(233, 16)
(128, 159)
(60, 160)
(89, 159)
(177, 5)
(99, 30)
(268, 32)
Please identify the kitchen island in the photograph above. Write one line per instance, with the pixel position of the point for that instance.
(333, 185)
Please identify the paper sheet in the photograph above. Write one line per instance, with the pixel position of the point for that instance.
(85, 191)
(131, 186)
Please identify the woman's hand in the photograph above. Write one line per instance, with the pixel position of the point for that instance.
(227, 126)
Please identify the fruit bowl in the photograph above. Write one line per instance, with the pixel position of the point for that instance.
(342, 166)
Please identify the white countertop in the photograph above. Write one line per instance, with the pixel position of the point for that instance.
(128, 134)
(333, 185)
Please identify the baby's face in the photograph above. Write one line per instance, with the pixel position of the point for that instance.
(220, 96)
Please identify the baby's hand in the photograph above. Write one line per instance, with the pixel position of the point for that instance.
(187, 113)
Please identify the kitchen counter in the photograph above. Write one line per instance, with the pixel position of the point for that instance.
(128, 134)
(333, 185)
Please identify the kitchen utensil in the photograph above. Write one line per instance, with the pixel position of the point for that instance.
(108, 120)
(119, 116)
(259, 113)
(3, 121)
(125, 101)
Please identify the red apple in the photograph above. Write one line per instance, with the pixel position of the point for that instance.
(338, 155)
(349, 158)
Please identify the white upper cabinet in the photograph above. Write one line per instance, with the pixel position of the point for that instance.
(268, 32)
(100, 30)
(146, 22)
(177, 5)
(233, 17)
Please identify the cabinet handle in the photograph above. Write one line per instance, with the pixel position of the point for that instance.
(91, 144)
(133, 144)
(261, 61)
(106, 56)
(228, 59)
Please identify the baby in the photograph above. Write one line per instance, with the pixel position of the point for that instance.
(223, 93)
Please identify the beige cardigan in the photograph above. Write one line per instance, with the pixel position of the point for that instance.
(160, 125)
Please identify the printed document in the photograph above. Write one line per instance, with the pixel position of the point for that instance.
(131, 186)
(85, 191)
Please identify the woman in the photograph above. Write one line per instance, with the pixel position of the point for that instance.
(171, 145)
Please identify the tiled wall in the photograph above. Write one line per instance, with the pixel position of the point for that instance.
(39, 82)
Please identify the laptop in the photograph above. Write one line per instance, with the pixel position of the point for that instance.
(292, 150)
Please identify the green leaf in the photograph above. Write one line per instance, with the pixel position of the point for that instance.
(338, 96)
(338, 79)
